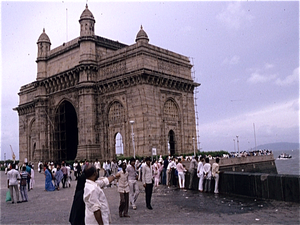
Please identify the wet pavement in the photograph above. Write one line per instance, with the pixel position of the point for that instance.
(170, 206)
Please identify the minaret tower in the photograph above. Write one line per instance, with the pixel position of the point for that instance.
(87, 23)
(43, 44)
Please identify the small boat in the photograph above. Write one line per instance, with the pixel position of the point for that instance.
(284, 156)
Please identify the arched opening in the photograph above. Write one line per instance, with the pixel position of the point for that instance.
(171, 143)
(66, 132)
(119, 144)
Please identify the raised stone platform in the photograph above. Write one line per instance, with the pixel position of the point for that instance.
(170, 206)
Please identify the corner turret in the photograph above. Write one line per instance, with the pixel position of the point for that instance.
(44, 45)
(142, 36)
(87, 23)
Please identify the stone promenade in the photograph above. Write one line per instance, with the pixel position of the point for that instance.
(170, 206)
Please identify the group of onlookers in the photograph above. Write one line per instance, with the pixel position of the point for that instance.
(56, 173)
(20, 181)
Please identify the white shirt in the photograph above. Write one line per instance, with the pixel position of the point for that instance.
(123, 186)
(68, 171)
(207, 170)
(97, 165)
(200, 169)
(147, 174)
(215, 169)
(13, 176)
(95, 199)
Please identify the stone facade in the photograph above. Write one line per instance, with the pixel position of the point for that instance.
(89, 89)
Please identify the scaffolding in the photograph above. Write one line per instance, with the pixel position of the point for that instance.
(195, 104)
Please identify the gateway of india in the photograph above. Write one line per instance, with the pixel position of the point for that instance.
(91, 90)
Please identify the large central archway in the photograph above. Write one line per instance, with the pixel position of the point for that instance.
(66, 132)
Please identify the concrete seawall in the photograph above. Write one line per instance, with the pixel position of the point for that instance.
(260, 185)
(253, 164)
(256, 185)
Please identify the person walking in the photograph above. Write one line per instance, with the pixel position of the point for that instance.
(24, 176)
(12, 182)
(172, 168)
(215, 174)
(64, 170)
(48, 179)
(28, 169)
(132, 181)
(32, 181)
(123, 189)
(98, 166)
(147, 179)
(164, 171)
(200, 173)
(58, 176)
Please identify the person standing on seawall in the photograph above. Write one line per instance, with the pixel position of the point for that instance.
(207, 175)
(192, 170)
(181, 171)
(200, 174)
(215, 174)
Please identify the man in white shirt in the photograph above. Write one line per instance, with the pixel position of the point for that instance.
(148, 182)
(207, 175)
(133, 185)
(123, 189)
(96, 205)
(98, 166)
(215, 174)
(12, 182)
(200, 173)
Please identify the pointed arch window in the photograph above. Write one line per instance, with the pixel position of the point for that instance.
(170, 111)
(116, 113)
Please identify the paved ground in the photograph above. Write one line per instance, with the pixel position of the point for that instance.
(170, 206)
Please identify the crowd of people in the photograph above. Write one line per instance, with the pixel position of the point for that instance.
(169, 171)
(90, 204)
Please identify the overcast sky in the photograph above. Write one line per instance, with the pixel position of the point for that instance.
(245, 55)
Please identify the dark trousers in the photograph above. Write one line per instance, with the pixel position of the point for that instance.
(164, 176)
(148, 191)
(28, 183)
(64, 180)
(124, 203)
(192, 176)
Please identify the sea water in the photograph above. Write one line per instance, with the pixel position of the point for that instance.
(287, 166)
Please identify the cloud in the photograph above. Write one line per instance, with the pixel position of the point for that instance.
(234, 15)
(269, 66)
(233, 61)
(273, 123)
(289, 80)
(259, 78)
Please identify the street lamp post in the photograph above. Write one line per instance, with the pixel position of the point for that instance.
(237, 142)
(194, 146)
(234, 145)
(132, 135)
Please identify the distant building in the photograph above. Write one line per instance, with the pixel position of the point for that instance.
(89, 89)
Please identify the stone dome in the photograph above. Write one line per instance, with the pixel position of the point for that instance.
(86, 14)
(44, 37)
(142, 35)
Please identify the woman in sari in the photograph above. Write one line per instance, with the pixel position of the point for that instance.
(48, 179)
